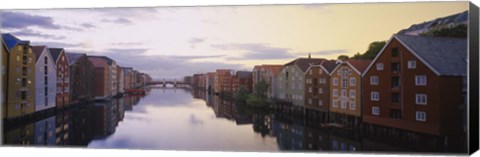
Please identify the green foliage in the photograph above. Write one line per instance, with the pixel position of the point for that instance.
(259, 96)
(242, 95)
(342, 57)
(459, 31)
(373, 49)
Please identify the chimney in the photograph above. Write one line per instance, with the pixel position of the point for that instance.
(309, 57)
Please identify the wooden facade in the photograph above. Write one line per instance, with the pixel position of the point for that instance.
(82, 77)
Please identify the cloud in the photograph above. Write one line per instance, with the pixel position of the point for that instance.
(58, 44)
(126, 43)
(161, 66)
(118, 21)
(87, 25)
(128, 50)
(329, 52)
(22, 20)
(31, 33)
(194, 41)
(257, 51)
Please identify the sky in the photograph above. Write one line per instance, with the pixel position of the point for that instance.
(172, 42)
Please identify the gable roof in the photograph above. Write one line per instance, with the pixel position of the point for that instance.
(443, 55)
(107, 59)
(38, 51)
(97, 62)
(244, 74)
(304, 63)
(55, 52)
(73, 57)
(360, 65)
(11, 41)
(455, 18)
(329, 65)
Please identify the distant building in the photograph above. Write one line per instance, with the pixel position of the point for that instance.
(226, 83)
(63, 76)
(291, 80)
(121, 80)
(82, 77)
(346, 92)
(102, 78)
(444, 22)
(45, 79)
(242, 79)
(209, 81)
(418, 84)
(219, 79)
(20, 74)
(128, 78)
(112, 72)
(317, 87)
(267, 73)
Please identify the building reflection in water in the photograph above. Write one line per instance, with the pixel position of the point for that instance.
(97, 121)
(73, 127)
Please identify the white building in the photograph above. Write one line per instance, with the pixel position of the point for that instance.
(45, 79)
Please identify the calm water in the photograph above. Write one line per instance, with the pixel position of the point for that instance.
(181, 119)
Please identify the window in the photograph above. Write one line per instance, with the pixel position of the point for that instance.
(320, 90)
(353, 81)
(46, 70)
(352, 105)
(375, 110)
(352, 94)
(420, 80)
(309, 101)
(374, 80)
(310, 89)
(395, 52)
(395, 97)
(395, 114)
(314, 81)
(374, 96)
(412, 64)
(46, 60)
(379, 66)
(395, 82)
(395, 67)
(335, 92)
(343, 92)
(335, 104)
(335, 81)
(344, 104)
(421, 116)
(320, 71)
(323, 80)
(344, 83)
(421, 99)
(320, 103)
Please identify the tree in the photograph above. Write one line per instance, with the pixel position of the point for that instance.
(342, 57)
(259, 96)
(460, 31)
(373, 49)
(242, 95)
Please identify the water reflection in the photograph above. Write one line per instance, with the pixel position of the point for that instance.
(183, 119)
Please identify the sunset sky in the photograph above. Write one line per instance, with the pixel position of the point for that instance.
(172, 42)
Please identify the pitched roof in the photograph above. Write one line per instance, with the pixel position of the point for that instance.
(11, 41)
(304, 63)
(244, 74)
(329, 65)
(55, 52)
(38, 51)
(455, 18)
(360, 65)
(97, 62)
(73, 57)
(444, 55)
(222, 71)
(107, 59)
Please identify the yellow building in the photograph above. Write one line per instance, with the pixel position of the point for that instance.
(20, 77)
(4, 78)
(345, 92)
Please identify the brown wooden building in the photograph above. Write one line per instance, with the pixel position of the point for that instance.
(317, 87)
(417, 84)
(346, 92)
(102, 78)
(82, 77)
(63, 82)
(242, 79)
